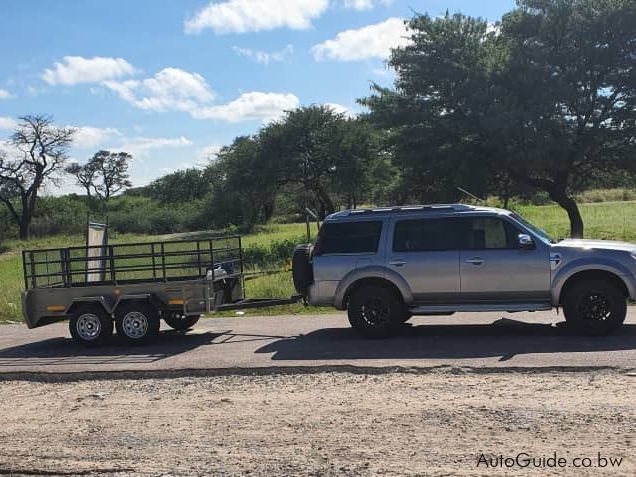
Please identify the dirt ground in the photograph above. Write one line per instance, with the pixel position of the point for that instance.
(322, 424)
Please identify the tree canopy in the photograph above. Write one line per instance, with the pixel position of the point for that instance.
(546, 98)
(104, 175)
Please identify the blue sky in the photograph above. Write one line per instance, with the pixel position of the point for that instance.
(171, 81)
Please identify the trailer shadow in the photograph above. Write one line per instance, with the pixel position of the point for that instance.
(58, 351)
(503, 338)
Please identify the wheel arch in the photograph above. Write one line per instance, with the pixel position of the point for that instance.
(99, 301)
(147, 298)
(370, 280)
(592, 274)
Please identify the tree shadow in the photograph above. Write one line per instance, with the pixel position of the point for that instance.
(503, 338)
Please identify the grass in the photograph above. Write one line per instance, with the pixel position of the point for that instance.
(604, 220)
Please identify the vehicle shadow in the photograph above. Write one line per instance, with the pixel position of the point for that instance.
(503, 338)
(56, 351)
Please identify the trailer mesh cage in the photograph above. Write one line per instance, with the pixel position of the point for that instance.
(133, 263)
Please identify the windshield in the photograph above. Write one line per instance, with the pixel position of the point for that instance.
(536, 230)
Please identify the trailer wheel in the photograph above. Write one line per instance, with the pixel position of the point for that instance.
(138, 323)
(90, 325)
(179, 321)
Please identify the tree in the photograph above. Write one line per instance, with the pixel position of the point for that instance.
(105, 174)
(180, 186)
(546, 99)
(39, 151)
(84, 175)
(244, 184)
(322, 151)
(572, 65)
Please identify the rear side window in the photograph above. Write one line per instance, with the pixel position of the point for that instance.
(348, 237)
(426, 235)
(490, 233)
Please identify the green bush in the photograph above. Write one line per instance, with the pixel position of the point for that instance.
(607, 195)
(275, 254)
(59, 215)
(144, 215)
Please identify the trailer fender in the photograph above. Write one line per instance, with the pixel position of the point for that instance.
(151, 298)
(98, 300)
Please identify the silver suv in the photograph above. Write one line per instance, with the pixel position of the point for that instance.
(384, 265)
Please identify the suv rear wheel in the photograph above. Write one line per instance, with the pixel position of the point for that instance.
(595, 307)
(375, 311)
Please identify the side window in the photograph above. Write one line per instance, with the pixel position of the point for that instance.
(425, 235)
(485, 233)
(348, 237)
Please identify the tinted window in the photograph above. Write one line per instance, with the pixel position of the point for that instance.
(426, 235)
(489, 233)
(348, 237)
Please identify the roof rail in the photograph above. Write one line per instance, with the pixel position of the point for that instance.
(408, 208)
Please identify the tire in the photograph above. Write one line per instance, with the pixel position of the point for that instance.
(179, 321)
(375, 311)
(136, 322)
(594, 307)
(90, 325)
(302, 270)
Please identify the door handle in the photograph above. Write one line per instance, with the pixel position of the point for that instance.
(476, 260)
(397, 263)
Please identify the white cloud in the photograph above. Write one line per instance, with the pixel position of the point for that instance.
(358, 4)
(340, 109)
(7, 123)
(494, 27)
(172, 89)
(207, 154)
(76, 69)
(372, 41)
(241, 16)
(140, 146)
(4, 94)
(264, 57)
(250, 106)
(88, 137)
(361, 5)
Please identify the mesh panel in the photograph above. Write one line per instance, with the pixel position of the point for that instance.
(157, 261)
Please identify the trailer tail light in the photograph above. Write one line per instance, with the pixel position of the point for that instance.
(176, 302)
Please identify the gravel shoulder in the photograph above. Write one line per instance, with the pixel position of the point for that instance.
(438, 422)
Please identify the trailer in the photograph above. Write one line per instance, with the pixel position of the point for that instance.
(132, 287)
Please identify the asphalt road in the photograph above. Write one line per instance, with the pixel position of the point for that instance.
(486, 340)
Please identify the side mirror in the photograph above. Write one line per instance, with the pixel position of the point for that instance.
(525, 242)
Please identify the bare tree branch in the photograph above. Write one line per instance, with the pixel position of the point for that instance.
(41, 150)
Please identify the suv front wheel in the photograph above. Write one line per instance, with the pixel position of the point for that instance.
(375, 311)
(594, 307)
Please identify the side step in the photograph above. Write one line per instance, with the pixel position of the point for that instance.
(511, 307)
(259, 303)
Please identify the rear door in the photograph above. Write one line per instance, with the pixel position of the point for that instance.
(424, 252)
(342, 247)
(493, 267)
